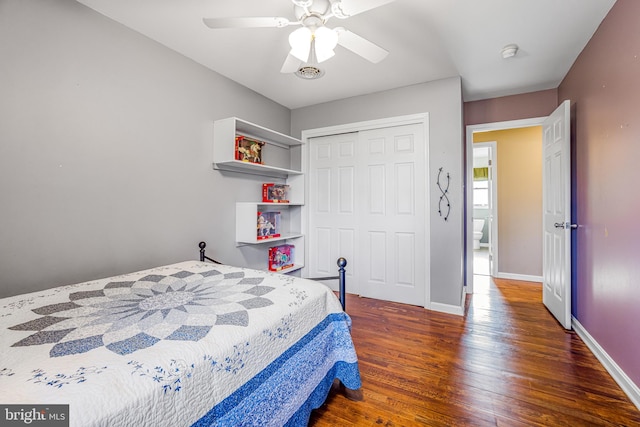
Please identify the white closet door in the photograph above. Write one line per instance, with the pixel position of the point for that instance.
(332, 219)
(391, 217)
(367, 198)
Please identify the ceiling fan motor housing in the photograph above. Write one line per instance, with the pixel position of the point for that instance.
(314, 42)
(316, 11)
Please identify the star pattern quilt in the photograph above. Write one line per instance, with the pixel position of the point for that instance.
(187, 344)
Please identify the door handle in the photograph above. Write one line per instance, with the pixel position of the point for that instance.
(565, 225)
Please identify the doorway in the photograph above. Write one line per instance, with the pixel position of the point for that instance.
(484, 208)
(507, 264)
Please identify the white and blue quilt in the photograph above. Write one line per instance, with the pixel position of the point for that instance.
(187, 344)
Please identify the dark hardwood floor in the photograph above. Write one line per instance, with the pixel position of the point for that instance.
(507, 363)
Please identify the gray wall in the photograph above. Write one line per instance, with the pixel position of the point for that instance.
(105, 150)
(442, 99)
(106, 144)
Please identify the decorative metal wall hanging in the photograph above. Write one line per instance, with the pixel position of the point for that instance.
(444, 198)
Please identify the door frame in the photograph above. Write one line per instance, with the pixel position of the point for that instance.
(420, 119)
(493, 192)
(470, 130)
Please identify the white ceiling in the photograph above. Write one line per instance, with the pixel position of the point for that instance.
(426, 39)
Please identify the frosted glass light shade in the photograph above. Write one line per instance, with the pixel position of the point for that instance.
(300, 42)
(325, 41)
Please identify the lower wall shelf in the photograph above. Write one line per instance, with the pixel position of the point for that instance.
(296, 267)
(269, 240)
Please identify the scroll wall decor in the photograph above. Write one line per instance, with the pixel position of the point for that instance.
(444, 198)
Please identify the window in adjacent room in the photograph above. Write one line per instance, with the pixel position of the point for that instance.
(481, 193)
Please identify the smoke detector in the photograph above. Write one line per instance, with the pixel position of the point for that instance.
(509, 51)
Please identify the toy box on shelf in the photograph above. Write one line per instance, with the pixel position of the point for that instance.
(281, 257)
(275, 193)
(248, 149)
(268, 225)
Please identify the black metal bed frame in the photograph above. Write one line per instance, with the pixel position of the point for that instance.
(342, 263)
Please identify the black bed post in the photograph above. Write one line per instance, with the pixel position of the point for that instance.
(342, 263)
(202, 245)
(203, 257)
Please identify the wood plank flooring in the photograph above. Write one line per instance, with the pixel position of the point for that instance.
(507, 363)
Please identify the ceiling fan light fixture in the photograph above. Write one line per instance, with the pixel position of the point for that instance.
(300, 42)
(310, 70)
(325, 40)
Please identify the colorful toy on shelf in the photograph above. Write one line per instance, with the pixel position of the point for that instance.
(248, 149)
(268, 225)
(275, 193)
(281, 257)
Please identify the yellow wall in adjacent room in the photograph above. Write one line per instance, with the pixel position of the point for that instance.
(519, 173)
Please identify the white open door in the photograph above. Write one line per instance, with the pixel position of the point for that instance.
(492, 219)
(485, 198)
(556, 222)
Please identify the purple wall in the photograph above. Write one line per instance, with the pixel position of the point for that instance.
(604, 87)
(514, 107)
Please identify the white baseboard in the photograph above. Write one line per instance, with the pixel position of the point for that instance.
(525, 277)
(609, 364)
(447, 308)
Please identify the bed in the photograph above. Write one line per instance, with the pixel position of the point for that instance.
(193, 343)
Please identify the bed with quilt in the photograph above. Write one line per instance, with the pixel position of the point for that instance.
(192, 343)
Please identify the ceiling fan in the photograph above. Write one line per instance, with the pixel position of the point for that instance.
(314, 42)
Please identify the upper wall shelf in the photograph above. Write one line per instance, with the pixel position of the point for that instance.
(254, 169)
(281, 153)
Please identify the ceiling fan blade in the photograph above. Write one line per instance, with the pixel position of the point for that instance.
(291, 64)
(354, 7)
(360, 46)
(277, 22)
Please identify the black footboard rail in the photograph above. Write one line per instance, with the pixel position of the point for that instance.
(342, 263)
(203, 257)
